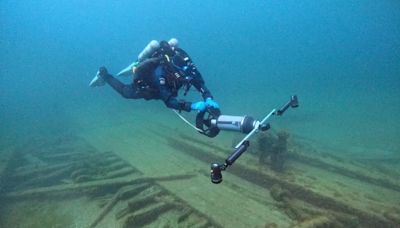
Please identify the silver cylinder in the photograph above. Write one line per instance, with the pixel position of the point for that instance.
(150, 48)
(243, 124)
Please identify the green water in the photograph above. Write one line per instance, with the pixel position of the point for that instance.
(341, 58)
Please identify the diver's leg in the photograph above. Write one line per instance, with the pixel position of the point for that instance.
(127, 91)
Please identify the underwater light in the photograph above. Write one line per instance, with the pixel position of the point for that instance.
(210, 122)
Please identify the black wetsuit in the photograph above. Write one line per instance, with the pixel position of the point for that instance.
(160, 77)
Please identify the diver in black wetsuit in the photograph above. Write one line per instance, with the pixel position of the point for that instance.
(160, 76)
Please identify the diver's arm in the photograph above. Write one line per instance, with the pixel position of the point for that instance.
(171, 101)
(205, 93)
(192, 71)
(199, 84)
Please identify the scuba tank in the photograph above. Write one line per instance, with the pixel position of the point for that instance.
(146, 53)
(153, 46)
(173, 42)
(148, 50)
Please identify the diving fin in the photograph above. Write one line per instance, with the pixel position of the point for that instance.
(97, 80)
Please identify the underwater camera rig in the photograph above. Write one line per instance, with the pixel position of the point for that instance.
(210, 122)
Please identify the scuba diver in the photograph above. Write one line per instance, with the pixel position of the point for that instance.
(161, 70)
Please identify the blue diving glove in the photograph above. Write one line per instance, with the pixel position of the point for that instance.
(211, 103)
(198, 106)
